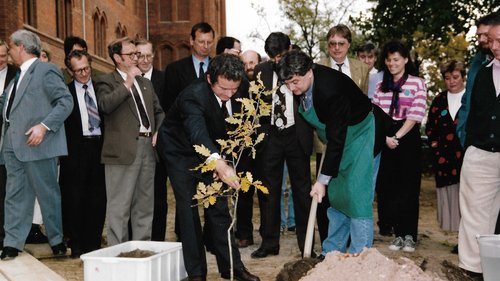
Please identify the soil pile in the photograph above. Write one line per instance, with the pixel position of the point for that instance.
(371, 265)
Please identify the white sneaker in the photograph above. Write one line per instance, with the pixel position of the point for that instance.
(397, 244)
(409, 244)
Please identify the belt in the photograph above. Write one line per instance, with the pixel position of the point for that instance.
(93, 137)
(146, 135)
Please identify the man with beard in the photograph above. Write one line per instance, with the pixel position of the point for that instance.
(250, 58)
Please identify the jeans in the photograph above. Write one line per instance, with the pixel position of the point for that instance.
(290, 221)
(339, 229)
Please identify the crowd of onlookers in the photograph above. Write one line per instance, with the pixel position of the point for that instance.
(81, 147)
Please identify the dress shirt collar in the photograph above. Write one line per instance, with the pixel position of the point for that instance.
(148, 74)
(196, 63)
(79, 85)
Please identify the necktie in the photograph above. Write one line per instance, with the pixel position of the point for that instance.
(280, 108)
(201, 73)
(142, 74)
(339, 65)
(94, 119)
(12, 94)
(140, 106)
(225, 113)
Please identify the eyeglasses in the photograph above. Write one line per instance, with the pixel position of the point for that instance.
(132, 55)
(145, 57)
(81, 70)
(336, 44)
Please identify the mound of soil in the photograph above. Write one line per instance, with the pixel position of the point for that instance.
(369, 265)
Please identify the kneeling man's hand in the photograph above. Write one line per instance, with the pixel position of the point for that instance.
(227, 174)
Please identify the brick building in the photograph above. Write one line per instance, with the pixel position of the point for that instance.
(101, 21)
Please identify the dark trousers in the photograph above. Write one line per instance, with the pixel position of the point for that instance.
(217, 220)
(321, 217)
(283, 146)
(398, 185)
(244, 214)
(160, 204)
(83, 197)
(3, 181)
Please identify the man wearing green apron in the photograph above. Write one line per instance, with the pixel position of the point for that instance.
(341, 114)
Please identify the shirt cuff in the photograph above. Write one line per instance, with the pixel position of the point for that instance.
(48, 129)
(323, 179)
(214, 156)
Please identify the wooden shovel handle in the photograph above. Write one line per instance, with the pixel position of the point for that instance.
(312, 216)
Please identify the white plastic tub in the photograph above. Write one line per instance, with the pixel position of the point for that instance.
(489, 250)
(166, 265)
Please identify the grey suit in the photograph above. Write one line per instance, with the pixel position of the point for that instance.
(129, 158)
(41, 97)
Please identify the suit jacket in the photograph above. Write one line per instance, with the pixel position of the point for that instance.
(304, 131)
(339, 103)
(483, 128)
(41, 97)
(158, 80)
(178, 75)
(73, 125)
(359, 72)
(195, 118)
(121, 120)
(11, 73)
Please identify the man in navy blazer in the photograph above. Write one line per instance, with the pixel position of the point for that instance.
(81, 177)
(34, 109)
(179, 74)
(197, 118)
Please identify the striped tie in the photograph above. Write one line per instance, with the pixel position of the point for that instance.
(94, 119)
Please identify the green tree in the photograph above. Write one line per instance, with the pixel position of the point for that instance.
(433, 30)
(308, 21)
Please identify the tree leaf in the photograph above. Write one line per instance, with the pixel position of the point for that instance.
(202, 150)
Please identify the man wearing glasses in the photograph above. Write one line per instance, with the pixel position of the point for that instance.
(132, 115)
(339, 40)
(157, 77)
(83, 190)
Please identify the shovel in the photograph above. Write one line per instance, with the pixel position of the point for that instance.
(312, 216)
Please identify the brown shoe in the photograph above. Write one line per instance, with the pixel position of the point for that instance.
(243, 243)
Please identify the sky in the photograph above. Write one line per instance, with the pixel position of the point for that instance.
(242, 19)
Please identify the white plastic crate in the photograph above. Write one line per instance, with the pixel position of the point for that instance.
(166, 265)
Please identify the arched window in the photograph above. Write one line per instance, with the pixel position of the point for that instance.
(63, 18)
(100, 22)
(30, 12)
(121, 30)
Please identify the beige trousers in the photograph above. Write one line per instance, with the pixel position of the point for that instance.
(479, 203)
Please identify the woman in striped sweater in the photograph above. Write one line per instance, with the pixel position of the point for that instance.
(402, 96)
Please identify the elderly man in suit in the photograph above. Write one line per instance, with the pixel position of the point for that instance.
(179, 74)
(34, 109)
(7, 73)
(132, 114)
(339, 40)
(81, 176)
(288, 138)
(157, 77)
(197, 118)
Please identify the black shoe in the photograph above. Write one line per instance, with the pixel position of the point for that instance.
(474, 276)
(455, 250)
(9, 253)
(263, 252)
(291, 229)
(320, 258)
(240, 274)
(59, 249)
(36, 236)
